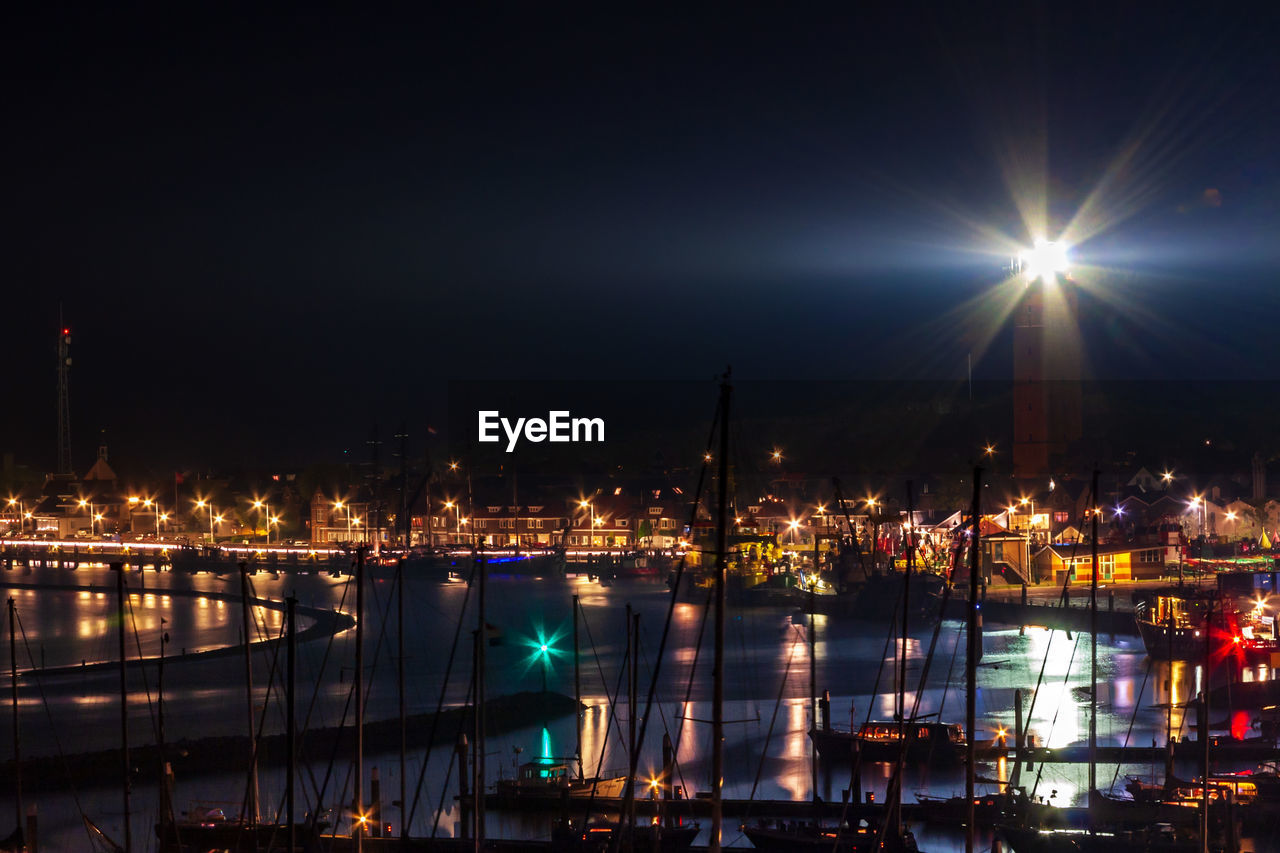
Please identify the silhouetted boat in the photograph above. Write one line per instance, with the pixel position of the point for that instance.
(930, 743)
(551, 779)
(793, 835)
(1172, 620)
(1159, 838)
(600, 835)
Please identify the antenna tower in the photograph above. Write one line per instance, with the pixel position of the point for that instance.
(64, 397)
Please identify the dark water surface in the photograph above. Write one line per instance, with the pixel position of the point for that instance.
(768, 659)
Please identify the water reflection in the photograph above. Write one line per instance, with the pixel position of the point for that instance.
(768, 659)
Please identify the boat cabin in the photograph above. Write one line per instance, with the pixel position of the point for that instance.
(888, 732)
(544, 774)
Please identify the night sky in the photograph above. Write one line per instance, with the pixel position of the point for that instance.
(268, 231)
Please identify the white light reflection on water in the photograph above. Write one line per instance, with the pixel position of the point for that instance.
(794, 778)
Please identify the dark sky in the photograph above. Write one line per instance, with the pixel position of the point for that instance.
(269, 230)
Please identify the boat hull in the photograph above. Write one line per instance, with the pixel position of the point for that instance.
(1152, 840)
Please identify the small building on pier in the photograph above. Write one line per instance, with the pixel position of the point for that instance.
(1115, 562)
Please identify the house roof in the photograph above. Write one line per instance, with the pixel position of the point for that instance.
(101, 471)
(1067, 551)
(987, 527)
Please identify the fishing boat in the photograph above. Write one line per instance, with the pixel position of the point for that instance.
(600, 835)
(548, 563)
(438, 564)
(1171, 620)
(877, 597)
(1158, 838)
(926, 742)
(548, 778)
(646, 565)
(1010, 805)
(211, 828)
(793, 835)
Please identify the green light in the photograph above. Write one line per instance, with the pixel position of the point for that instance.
(542, 650)
(546, 743)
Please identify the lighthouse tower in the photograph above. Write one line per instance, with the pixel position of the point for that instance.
(1046, 363)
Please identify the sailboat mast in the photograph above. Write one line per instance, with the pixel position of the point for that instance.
(476, 539)
(477, 762)
(813, 680)
(631, 683)
(404, 488)
(896, 804)
(971, 666)
(577, 689)
(374, 444)
(717, 670)
(357, 817)
(430, 525)
(1204, 733)
(118, 568)
(17, 743)
(1093, 644)
(906, 612)
(1168, 718)
(630, 816)
(404, 791)
(291, 733)
(247, 621)
(405, 528)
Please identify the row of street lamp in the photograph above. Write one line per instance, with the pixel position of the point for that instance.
(260, 505)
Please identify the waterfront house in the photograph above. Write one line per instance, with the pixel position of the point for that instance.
(1116, 562)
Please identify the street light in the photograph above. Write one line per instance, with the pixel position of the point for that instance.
(265, 508)
(85, 503)
(586, 504)
(347, 507)
(457, 522)
(134, 501)
(154, 506)
(22, 513)
(776, 455)
(826, 519)
(1197, 502)
(204, 504)
(874, 520)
